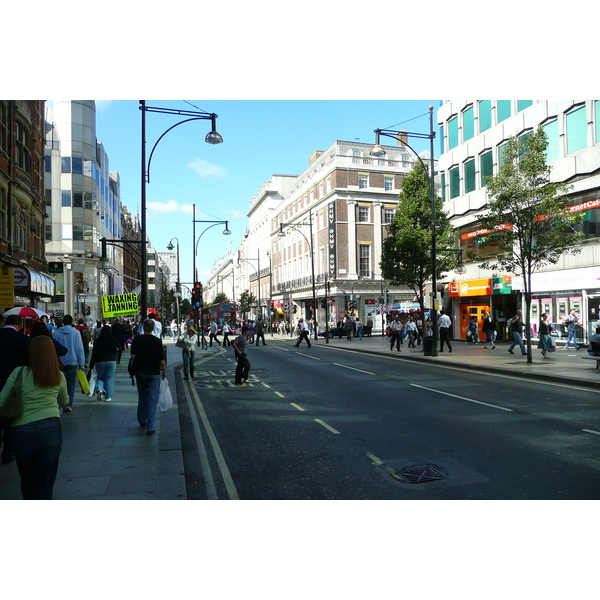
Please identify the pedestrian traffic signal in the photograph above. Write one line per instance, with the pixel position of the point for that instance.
(197, 293)
(272, 308)
(295, 308)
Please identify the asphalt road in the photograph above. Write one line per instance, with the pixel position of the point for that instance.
(326, 423)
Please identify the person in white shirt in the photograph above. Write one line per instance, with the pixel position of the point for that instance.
(174, 330)
(396, 337)
(157, 326)
(444, 324)
(226, 332)
(411, 330)
(303, 333)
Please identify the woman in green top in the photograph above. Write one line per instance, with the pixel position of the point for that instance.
(37, 434)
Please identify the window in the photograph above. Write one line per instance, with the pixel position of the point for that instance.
(78, 199)
(388, 215)
(469, 170)
(551, 130)
(364, 260)
(363, 214)
(441, 139)
(67, 232)
(523, 104)
(501, 149)
(356, 155)
(576, 130)
(3, 126)
(486, 166)
(388, 183)
(65, 164)
(468, 124)
(363, 182)
(443, 184)
(20, 229)
(452, 133)
(23, 153)
(48, 163)
(503, 110)
(66, 198)
(78, 165)
(48, 228)
(77, 232)
(48, 197)
(485, 115)
(454, 182)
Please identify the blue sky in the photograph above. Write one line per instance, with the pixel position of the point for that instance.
(261, 138)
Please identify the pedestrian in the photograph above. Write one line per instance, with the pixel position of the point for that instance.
(243, 364)
(157, 325)
(545, 342)
(419, 323)
(303, 333)
(118, 331)
(412, 332)
(14, 352)
(188, 352)
(250, 326)
(214, 332)
(104, 357)
(395, 334)
(472, 332)
(489, 328)
(428, 327)
(259, 331)
(97, 328)
(174, 330)
(74, 359)
(571, 322)
(516, 327)
(86, 337)
(128, 333)
(226, 332)
(44, 319)
(350, 327)
(39, 328)
(359, 328)
(444, 323)
(147, 353)
(37, 435)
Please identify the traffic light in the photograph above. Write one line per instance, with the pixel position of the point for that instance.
(295, 308)
(272, 308)
(197, 295)
(323, 302)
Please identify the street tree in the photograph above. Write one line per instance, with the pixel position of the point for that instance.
(246, 302)
(221, 297)
(406, 252)
(527, 224)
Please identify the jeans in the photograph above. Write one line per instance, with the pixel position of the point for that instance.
(105, 377)
(360, 333)
(174, 334)
(37, 448)
(148, 389)
(412, 338)
(70, 372)
(571, 339)
(396, 339)
(243, 368)
(188, 359)
(518, 339)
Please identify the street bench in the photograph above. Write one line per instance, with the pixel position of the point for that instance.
(596, 358)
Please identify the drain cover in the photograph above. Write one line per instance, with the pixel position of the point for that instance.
(422, 474)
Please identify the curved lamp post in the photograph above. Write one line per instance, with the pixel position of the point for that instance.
(177, 283)
(213, 137)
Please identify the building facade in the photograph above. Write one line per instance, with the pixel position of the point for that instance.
(25, 281)
(473, 133)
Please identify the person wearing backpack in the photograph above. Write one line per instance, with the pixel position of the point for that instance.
(86, 338)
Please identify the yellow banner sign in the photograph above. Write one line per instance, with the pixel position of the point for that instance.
(7, 288)
(119, 305)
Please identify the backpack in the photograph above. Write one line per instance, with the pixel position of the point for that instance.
(86, 336)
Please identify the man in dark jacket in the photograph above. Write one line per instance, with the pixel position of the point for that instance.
(14, 352)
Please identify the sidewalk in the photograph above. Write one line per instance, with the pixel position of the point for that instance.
(564, 366)
(106, 455)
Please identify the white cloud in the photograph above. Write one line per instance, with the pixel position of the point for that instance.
(206, 169)
(164, 207)
(236, 214)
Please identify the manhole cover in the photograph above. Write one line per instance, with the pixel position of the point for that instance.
(422, 474)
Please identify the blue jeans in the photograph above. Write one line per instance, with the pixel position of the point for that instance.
(148, 389)
(37, 448)
(105, 377)
(174, 334)
(188, 359)
(571, 339)
(70, 372)
(517, 339)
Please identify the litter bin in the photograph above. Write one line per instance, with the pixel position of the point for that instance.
(427, 345)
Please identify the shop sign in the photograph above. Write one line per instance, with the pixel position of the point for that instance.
(7, 289)
(502, 285)
(474, 287)
(119, 305)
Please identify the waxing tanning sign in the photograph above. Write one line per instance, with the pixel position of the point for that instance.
(119, 305)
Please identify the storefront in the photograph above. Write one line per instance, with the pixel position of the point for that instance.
(31, 287)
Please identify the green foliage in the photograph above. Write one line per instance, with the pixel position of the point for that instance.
(185, 306)
(246, 302)
(221, 297)
(406, 252)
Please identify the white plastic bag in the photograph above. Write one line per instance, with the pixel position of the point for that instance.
(165, 400)
(92, 382)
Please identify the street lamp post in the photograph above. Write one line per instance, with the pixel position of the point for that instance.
(213, 137)
(178, 281)
(377, 151)
(257, 271)
(312, 261)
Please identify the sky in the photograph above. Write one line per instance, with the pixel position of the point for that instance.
(261, 138)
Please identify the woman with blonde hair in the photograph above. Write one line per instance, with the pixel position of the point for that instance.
(37, 435)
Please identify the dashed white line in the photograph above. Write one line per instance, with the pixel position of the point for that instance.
(462, 398)
(326, 426)
(353, 368)
(591, 431)
(298, 407)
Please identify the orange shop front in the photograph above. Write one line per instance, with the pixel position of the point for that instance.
(475, 297)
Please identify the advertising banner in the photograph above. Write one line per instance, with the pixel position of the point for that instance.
(119, 305)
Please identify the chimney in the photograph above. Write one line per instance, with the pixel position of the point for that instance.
(402, 138)
(314, 156)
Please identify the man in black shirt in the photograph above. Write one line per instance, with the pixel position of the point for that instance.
(147, 351)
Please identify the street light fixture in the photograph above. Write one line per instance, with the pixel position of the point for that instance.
(257, 271)
(177, 283)
(213, 137)
(312, 261)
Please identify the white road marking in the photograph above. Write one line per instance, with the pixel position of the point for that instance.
(462, 398)
(591, 431)
(307, 355)
(326, 426)
(280, 395)
(298, 407)
(354, 369)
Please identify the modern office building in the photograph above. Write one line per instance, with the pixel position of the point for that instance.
(83, 206)
(473, 133)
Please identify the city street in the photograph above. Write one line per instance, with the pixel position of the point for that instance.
(329, 423)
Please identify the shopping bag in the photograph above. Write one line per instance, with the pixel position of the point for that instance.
(92, 381)
(83, 382)
(165, 400)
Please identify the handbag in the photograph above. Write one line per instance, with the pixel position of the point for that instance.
(13, 407)
(83, 381)
(165, 400)
(180, 343)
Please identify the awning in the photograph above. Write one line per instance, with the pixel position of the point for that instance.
(30, 280)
